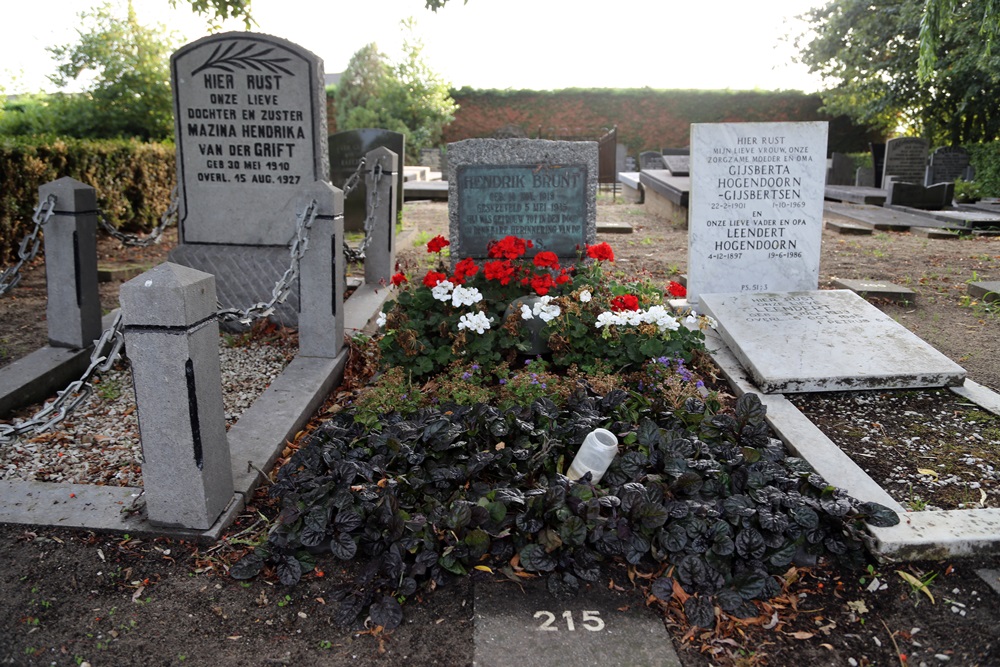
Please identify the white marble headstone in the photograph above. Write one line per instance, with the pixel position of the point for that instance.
(831, 340)
(756, 207)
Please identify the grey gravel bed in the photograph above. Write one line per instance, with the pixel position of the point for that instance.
(99, 442)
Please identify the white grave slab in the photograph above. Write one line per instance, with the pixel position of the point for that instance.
(756, 207)
(831, 340)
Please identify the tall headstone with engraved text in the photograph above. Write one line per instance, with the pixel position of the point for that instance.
(905, 160)
(250, 119)
(756, 207)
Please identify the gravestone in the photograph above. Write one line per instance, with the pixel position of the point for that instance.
(947, 165)
(905, 160)
(650, 160)
(841, 170)
(678, 165)
(878, 161)
(756, 207)
(932, 197)
(831, 340)
(675, 151)
(543, 191)
(346, 150)
(429, 157)
(864, 177)
(250, 127)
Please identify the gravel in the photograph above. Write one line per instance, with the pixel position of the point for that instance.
(99, 442)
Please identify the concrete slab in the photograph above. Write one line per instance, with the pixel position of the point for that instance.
(855, 194)
(876, 217)
(829, 340)
(848, 228)
(991, 577)
(958, 218)
(525, 625)
(934, 233)
(987, 291)
(878, 290)
(665, 184)
(614, 228)
(437, 190)
(37, 376)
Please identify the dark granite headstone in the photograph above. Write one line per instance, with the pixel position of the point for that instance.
(878, 161)
(913, 195)
(650, 160)
(905, 160)
(346, 150)
(948, 164)
(841, 170)
(678, 165)
(676, 151)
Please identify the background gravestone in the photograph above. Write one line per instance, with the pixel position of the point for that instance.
(948, 164)
(650, 160)
(841, 170)
(905, 160)
(250, 127)
(878, 161)
(756, 207)
(678, 165)
(346, 150)
(544, 191)
(864, 177)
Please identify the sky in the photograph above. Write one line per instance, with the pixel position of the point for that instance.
(529, 44)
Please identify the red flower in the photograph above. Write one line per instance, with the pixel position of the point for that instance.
(625, 302)
(398, 279)
(676, 290)
(437, 244)
(546, 260)
(542, 284)
(433, 278)
(602, 252)
(501, 270)
(509, 247)
(562, 278)
(464, 269)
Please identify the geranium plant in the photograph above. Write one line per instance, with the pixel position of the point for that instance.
(488, 311)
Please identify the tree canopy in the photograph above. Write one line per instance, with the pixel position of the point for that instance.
(869, 52)
(240, 9)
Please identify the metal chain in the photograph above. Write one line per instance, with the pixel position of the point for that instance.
(169, 217)
(281, 288)
(374, 200)
(106, 351)
(11, 276)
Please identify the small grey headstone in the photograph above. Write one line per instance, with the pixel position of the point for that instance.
(832, 340)
(841, 170)
(948, 164)
(678, 165)
(526, 625)
(756, 207)
(543, 191)
(629, 163)
(864, 177)
(905, 160)
(346, 150)
(431, 157)
(650, 160)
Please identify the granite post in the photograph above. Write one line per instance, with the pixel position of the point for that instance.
(172, 337)
(321, 276)
(74, 304)
(380, 256)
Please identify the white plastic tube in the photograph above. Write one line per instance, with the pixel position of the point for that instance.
(595, 455)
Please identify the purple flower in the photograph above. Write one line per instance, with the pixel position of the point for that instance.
(475, 367)
(503, 381)
(466, 375)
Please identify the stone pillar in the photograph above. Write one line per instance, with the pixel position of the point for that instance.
(172, 339)
(380, 257)
(74, 304)
(321, 275)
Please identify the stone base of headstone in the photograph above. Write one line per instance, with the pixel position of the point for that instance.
(987, 291)
(523, 624)
(245, 275)
(855, 195)
(848, 228)
(878, 290)
(874, 217)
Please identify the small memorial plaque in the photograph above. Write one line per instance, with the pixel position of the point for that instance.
(831, 340)
(546, 205)
(248, 111)
(756, 212)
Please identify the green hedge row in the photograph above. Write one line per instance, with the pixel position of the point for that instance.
(986, 159)
(133, 181)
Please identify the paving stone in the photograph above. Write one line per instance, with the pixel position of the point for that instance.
(614, 228)
(881, 290)
(527, 626)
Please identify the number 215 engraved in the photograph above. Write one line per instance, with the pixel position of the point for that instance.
(591, 621)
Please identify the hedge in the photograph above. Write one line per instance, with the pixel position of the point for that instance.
(133, 181)
(986, 160)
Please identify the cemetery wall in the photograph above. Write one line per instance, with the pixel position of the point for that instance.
(133, 181)
(646, 119)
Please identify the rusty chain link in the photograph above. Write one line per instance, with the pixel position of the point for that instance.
(169, 217)
(11, 276)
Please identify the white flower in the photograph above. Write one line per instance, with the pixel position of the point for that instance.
(585, 296)
(691, 321)
(607, 319)
(546, 310)
(525, 312)
(477, 322)
(465, 296)
(380, 322)
(710, 321)
(442, 291)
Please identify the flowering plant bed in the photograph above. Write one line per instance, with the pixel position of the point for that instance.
(587, 315)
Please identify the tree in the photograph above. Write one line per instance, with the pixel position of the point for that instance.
(130, 66)
(937, 18)
(868, 50)
(407, 97)
(220, 10)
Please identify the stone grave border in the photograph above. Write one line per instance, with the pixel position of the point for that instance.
(926, 535)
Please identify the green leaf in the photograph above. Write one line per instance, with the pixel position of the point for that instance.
(534, 559)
